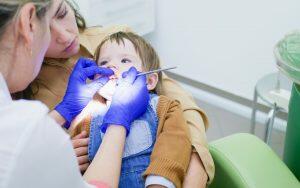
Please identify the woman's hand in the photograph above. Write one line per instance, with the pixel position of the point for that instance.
(79, 93)
(80, 144)
(129, 101)
(196, 175)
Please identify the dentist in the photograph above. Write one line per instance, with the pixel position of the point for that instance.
(34, 151)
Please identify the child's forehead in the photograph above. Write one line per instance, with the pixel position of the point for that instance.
(124, 47)
(121, 44)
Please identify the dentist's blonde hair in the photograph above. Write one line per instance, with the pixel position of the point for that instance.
(9, 9)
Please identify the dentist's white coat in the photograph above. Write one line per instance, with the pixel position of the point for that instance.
(34, 151)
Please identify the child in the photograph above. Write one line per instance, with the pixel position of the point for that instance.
(158, 146)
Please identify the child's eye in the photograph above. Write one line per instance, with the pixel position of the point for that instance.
(126, 60)
(102, 63)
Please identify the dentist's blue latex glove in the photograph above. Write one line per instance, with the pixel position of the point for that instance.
(129, 101)
(79, 93)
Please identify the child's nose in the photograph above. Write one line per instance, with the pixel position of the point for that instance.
(115, 69)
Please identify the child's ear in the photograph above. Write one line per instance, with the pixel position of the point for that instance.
(152, 80)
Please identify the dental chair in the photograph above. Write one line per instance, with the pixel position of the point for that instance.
(244, 161)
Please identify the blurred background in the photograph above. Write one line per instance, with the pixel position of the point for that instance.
(223, 49)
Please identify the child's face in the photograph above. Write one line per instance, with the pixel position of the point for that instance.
(119, 57)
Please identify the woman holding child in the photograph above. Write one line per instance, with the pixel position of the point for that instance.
(70, 39)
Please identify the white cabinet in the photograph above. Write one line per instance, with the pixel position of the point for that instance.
(138, 14)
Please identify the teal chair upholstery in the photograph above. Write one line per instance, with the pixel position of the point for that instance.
(242, 160)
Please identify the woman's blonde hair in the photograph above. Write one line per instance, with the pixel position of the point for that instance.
(9, 9)
(80, 21)
(149, 57)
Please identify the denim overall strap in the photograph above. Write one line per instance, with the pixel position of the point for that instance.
(138, 145)
(144, 127)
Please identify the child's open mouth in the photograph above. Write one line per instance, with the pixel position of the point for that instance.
(107, 91)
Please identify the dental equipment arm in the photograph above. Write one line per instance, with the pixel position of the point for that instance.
(155, 71)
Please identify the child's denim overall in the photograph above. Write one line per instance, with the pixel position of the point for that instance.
(138, 145)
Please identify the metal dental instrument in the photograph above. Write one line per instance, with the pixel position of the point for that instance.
(157, 70)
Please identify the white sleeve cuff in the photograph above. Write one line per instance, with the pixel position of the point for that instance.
(158, 180)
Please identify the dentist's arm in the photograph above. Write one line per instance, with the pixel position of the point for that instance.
(128, 103)
(60, 120)
(108, 157)
(77, 96)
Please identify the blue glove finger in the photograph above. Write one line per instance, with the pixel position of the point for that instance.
(97, 84)
(141, 81)
(84, 62)
(91, 71)
(126, 73)
(130, 76)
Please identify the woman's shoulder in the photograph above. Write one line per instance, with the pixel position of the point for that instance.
(91, 37)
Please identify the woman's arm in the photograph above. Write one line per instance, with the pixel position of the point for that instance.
(79, 141)
(60, 120)
(197, 123)
(106, 165)
(108, 157)
(172, 150)
(196, 175)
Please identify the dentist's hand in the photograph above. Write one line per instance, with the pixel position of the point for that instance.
(129, 101)
(79, 93)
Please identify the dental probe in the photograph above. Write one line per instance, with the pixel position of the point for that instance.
(157, 70)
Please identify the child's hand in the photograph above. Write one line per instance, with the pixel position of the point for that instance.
(80, 144)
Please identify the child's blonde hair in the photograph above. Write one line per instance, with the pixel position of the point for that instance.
(149, 57)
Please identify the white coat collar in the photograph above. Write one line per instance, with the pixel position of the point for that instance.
(4, 93)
